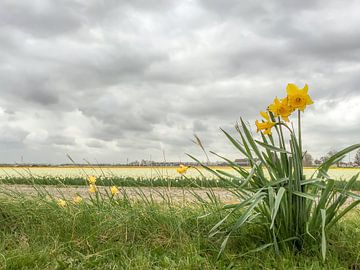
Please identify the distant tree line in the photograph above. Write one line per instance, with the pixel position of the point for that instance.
(308, 160)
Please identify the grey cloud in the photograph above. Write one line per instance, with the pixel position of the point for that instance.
(122, 124)
(12, 137)
(10, 112)
(42, 20)
(44, 97)
(95, 143)
(235, 8)
(61, 140)
(199, 126)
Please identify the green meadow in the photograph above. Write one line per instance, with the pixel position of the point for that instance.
(117, 233)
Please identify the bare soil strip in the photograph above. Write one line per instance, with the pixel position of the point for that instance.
(157, 194)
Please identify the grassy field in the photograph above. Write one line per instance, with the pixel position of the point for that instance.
(120, 234)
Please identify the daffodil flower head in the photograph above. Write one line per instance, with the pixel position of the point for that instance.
(61, 203)
(92, 188)
(114, 190)
(77, 199)
(298, 98)
(281, 108)
(182, 169)
(266, 125)
(92, 180)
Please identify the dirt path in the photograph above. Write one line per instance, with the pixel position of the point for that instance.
(156, 193)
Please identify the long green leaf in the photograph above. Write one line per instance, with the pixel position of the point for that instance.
(326, 165)
(236, 143)
(305, 195)
(217, 225)
(278, 198)
(223, 245)
(248, 178)
(207, 167)
(233, 165)
(272, 148)
(247, 213)
(251, 141)
(324, 197)
(323, 235)
(311, 181)
(342, 213)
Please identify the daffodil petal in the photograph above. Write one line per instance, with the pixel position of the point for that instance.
(286, 118)
(305, 89)
(265, 115)
(291, 89)
(308, 100)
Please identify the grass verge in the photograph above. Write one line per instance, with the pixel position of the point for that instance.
(119, 234)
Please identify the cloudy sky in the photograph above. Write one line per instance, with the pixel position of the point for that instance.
(114, 80)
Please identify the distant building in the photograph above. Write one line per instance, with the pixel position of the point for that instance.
(346, 164)
(317, 162)
(242, 162)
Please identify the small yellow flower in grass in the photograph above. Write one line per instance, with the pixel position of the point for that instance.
(281, 108)
(92, 180)
(265, 125)
(61, 202)
(182, 169)
(92, 188)
(298, 98)
(114, 190)
(77, 199)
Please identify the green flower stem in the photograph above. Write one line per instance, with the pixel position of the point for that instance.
(300, 145)
(299, 131)
(282, 136)
(285, 125)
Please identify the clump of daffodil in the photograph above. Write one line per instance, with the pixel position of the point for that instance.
(92, 188)
(182, 169)
(298, 98)
(289, 207)
(61, 203)
(92, 180)
(266, 125)
(77, 199)
(114, 190)
(281, 107)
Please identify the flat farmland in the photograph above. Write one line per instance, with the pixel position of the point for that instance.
(139, 172)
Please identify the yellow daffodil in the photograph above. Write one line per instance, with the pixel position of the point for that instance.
(114, 190)
(77, 199)
(92, 180)
(281, 108)
(182, 169)
(92, 188)
(264, 125)
(298, 98)
(61, 203)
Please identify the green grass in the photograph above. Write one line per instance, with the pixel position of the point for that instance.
(138, 182)
(119, 234)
